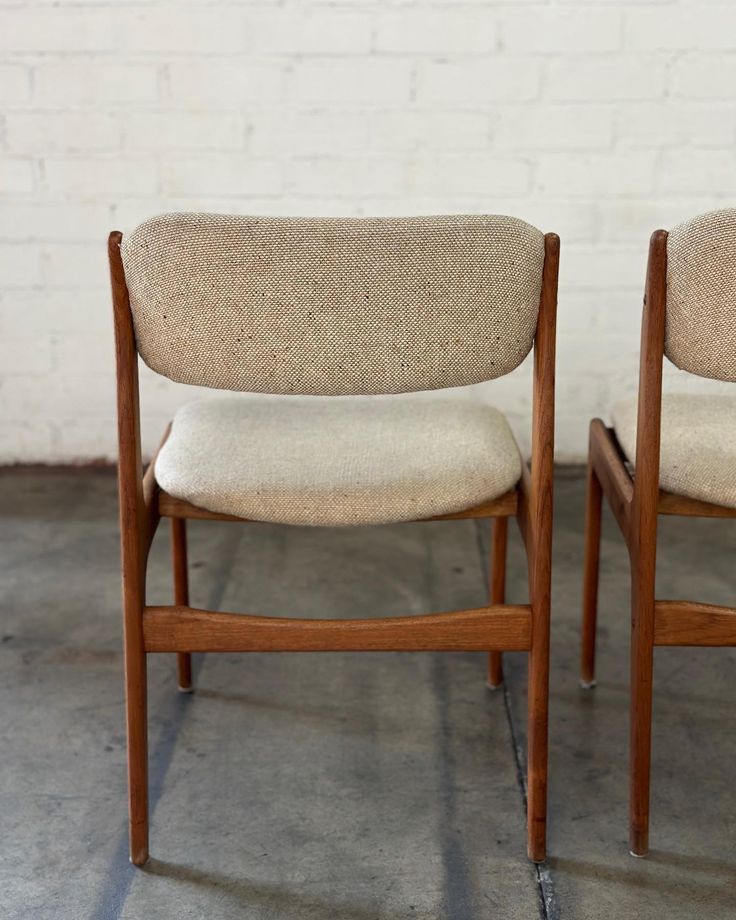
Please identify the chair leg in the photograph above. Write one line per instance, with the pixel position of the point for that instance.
(137, 737)
(591, 565)
(499, 537)
(181, 595)
(538, 741)
(642, 667)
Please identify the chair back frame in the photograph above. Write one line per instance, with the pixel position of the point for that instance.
(636, 502)
(181, 629)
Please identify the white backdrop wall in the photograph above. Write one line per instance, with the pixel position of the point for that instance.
(599, 119)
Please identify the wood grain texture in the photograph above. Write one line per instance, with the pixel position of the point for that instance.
(692, 623)
(174, 629)
(181, 594)
(643, 539)
(499, 541)
(150, 495)
(591, 565)
(669, 503)
(134, 535)
(609, 463)
(540, 527)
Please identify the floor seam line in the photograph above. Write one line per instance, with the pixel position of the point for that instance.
(548, 907)
(545, 891)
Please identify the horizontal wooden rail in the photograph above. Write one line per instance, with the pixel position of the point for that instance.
(169, 506)
(502, 627)
(669, 503)
(691, 623)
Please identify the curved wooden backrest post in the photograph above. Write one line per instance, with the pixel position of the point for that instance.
(130, 464)
(646, 480)
(642, 540)
(539, 545)
(134, 548)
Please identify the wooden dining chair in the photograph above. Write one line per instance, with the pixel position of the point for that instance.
(671, 454)
(364, 310)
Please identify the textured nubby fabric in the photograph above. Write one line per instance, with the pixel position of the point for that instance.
(701, 295)
(325, 461)
(333, 306)
(698, 444)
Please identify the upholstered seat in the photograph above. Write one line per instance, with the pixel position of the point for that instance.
(698, 444)
(338, 461)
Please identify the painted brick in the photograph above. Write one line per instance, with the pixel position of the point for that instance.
(438, 31)
(477, 82)
(79, 82)
(372, 81)
(220, 175)
(599, 119)
(29, 132)
(606, 78)
(553, 29)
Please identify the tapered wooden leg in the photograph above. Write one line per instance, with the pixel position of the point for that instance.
(137, 736)
(499, 537)
(591, 564)
(642, 666)
(538, 724)
(181, 595)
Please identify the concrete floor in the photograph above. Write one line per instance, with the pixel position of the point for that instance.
(345, 786)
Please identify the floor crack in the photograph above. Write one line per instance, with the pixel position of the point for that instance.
(548, 906)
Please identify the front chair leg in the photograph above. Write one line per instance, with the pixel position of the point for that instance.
(642, 667)
(499, 537)
(591, 565)
(137, 737)
(538, 740)
(181, 595)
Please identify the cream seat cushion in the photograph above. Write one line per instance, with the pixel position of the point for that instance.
(698, 444)
(337, 461)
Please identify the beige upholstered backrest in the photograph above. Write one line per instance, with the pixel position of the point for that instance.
(333, 306)
(701, 295)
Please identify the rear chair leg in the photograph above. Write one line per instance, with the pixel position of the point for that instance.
(499, 534)
(591, 565)
(181, 595)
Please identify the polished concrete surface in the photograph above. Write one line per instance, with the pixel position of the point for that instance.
(347, 786)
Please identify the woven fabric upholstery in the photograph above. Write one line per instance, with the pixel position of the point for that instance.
(698, 445)
(701, 295)
(322, 461)
(333, 306)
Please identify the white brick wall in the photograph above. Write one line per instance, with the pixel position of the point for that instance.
(599, 120)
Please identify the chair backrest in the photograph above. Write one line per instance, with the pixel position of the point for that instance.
(333, 306)
(700, 328)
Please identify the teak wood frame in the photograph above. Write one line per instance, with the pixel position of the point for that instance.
(182, 629)
(636, 502)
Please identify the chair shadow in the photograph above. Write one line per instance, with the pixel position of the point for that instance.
(291, 707)
(642, 873)
(273, 898)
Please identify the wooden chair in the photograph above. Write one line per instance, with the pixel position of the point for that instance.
(676, 445)
(334, 307)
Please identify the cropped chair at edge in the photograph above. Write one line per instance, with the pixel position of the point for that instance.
(683, 451)
(334, 307)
